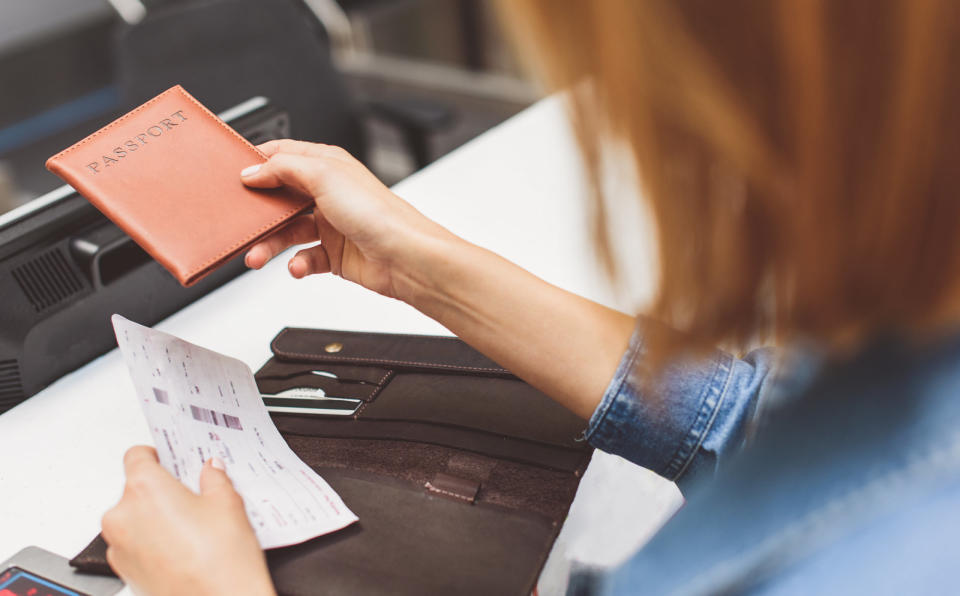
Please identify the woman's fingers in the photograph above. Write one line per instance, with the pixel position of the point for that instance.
(297, 171)
(271, 148)
(310, 261)
(144, 472)
(139, 456)
(215, 483)
(301, 230)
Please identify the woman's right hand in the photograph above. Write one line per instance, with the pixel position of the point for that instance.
(371, 236)
(367, 234)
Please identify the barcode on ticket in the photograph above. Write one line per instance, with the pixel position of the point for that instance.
(215, 418)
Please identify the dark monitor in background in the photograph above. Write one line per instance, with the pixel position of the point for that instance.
(57, 74)
(69, 70)
(65, 268)
(68, 67)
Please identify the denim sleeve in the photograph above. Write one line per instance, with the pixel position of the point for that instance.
(688, 418)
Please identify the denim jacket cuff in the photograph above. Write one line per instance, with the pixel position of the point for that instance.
(597, 428)
(664, 429)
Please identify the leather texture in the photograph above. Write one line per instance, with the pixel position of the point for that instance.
(168, 173)
(431, 389)
(461, 474)
(93, 558)
(395, 351)
(410, 542)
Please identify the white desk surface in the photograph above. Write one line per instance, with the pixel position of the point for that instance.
(517, 189)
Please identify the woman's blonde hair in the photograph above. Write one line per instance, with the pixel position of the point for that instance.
(801, 158)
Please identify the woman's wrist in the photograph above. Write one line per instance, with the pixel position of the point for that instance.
(421, 273)
(516, 319)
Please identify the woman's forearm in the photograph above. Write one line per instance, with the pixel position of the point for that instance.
(566, 346)
(561, 343)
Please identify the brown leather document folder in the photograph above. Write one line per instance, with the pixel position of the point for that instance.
(461, 473)
(168, 173)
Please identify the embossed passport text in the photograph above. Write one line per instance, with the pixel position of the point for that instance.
(168, 173)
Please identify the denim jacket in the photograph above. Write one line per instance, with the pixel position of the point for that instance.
(800, 477)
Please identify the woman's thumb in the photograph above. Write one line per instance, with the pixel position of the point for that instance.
(297, 171)
(213, 477)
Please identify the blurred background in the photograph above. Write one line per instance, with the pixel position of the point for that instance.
(397, 82)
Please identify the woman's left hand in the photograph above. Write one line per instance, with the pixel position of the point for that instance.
(164, 539)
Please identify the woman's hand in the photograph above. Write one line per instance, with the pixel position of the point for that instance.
(371, 236)
(367, 234)
(164, 539)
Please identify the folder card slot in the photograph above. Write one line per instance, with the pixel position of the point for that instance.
(566, 459)
(340, 381)
(504, 407)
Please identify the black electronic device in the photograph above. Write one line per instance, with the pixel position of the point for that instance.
(65, 269)
(37, 572)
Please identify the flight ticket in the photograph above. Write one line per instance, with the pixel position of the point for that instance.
(200, 404)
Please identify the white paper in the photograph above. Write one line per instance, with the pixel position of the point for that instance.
(200, 404)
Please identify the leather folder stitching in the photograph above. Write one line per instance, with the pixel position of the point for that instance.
(367, 334)
(282, 352)
(376, 392)
(402, 362)
(434, 489)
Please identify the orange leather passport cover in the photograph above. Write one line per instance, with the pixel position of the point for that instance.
(168, 173)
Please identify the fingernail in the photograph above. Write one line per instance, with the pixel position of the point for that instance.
(297, 267)
(217, 463)
(250, 171)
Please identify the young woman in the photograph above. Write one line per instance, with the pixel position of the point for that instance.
(802, 165)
